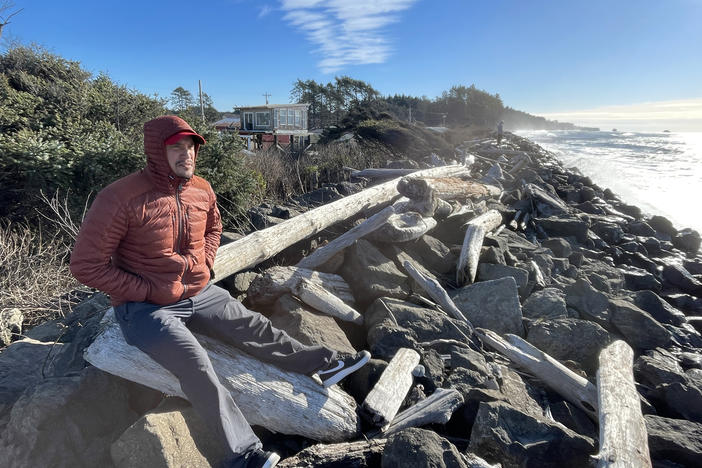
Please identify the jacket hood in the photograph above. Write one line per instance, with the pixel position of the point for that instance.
(156, 131)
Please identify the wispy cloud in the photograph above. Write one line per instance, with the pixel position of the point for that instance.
(264, 10)
(346, 32)
(685, 115)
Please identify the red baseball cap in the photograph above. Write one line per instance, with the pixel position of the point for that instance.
(175, 138)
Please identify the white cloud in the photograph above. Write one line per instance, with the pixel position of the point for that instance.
(345, 32)
(680, 115)
(264, 10)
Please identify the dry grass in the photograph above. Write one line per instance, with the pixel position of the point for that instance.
(34, 274)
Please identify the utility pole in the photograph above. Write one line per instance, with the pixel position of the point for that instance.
(202, 106)
(267, 96)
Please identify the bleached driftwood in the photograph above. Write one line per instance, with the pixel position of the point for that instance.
(623, 436)
(281, 401)
(264, 244)
(382, 173)
(324, 253)
(435, 409)
(435, 291)
(361, 453)
(279, 280)
(446, 188)
(476, 230)
(322, 300)
(383, 401)
(567, 383)
(403, 227)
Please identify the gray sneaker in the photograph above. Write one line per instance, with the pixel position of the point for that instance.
(343, 367)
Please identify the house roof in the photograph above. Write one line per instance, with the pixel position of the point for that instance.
(276, 106)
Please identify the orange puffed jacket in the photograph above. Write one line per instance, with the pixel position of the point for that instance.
(150, 236)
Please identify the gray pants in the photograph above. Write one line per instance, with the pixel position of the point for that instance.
(164, 333)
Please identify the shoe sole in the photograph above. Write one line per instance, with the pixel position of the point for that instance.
(348, 370)
(272, 461)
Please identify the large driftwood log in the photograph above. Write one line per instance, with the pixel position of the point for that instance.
(469, 258)
(279, 280)
(403, 227)
(382, 173)
(383, 401)
(567, 383)
(317, 297)
(446, 188)
(435, 291)
(262, 245)
(435, 409)
(352, 454)
(623, 436)
(281, 401)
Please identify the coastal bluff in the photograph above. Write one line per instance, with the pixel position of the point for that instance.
(517, 315)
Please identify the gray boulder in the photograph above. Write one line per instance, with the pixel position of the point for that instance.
(561, 227)
(502, 433)
(590, 303)
(659, 309)
(308, 326)
(681, 278)
(663, 226)
(638, 279)
(560, 247)
(547, 303)
(491, 271)
(170, 436)
(415, 447)
(640, 330)
(676, 440)
(432, 254)
(687, 240)
(641, 228)
(569, 339)
(371, 274)
(492, 304)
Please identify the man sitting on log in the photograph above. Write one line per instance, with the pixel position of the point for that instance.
(149, 240)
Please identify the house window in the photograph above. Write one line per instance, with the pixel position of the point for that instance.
(298, 118)
(248, 120)
(283, 117)
(263, 119)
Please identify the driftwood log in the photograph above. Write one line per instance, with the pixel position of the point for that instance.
(623, 436)
(280, 401)
(446, 188)
(352, 454)
(276, 281)
(262, 245)
(381, 173)
(435, 409)
(403, 227)
(383, 401)
(319, 298)
(555, 375)
(435, 291)
(469, 258)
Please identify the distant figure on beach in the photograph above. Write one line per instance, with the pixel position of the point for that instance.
(500, 124)
(149, 241)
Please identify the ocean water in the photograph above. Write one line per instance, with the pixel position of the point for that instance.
(661, 173)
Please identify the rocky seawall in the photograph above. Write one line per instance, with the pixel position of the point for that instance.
(568, 267)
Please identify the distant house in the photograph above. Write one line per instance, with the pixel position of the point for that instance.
(228, 124)
(281, 125)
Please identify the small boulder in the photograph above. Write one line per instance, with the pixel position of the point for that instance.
(687, 240)
(663, 225)
(678, 276)
(420, 447)
(564, 228)
(640, 330)
(547, 303)
(590, 303)
(492, 304)
(560, 247)
(676, 440)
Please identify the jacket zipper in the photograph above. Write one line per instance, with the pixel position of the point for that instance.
(179, 239)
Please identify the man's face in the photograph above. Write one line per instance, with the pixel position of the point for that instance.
(181, 157)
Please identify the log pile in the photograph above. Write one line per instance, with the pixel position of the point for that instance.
(517, 314)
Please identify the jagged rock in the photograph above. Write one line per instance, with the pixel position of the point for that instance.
(684, 302)
(603, 276)
(433, 377)
(609, 232)
(393, 322)
(420, 447)
(640, 330)
(560, 247)
(372, 275)
(170, 436)
(687, 240)
(491, 271)
(548, 303)
(680, 277)
(693, 266)
(10, 325)
(452, 230)
(659, 309)
(561, 227)
(504, 434)
(676, 440)
(574, 418)
(68, 421)
(432, 254)
(318, 197)
(308, 326)
(546, 204)
(663, 225)
(637, 279)
(569, 339)
(590, 303)
(285, 212)
(492, 304)
(519, 392)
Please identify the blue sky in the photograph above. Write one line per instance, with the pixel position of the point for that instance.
(592, 62)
